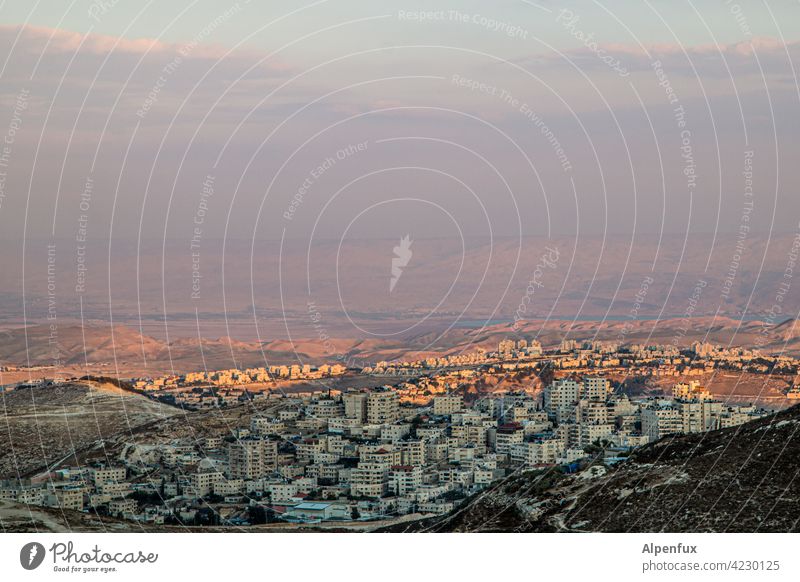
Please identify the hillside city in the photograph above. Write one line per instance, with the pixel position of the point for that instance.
(418, 448)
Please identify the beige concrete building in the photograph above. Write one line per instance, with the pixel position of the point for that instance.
(369, 480)
(404, 479)
(508, 436)
(658, 421)
(560, 398)
(448, 404)
(595, 388)
(355, 405)
(251, 458)
(383, 407)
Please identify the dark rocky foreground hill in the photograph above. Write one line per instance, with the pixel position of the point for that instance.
(44, 426)
(742, 479)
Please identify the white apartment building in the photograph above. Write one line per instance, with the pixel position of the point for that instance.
(448, 404)
(326, 408)
(392, 433)
(115, 489)
(570, 455)
(122, 507)
(64, 497)
(404, 479)
(593, 412)
(385, 454)
(470, 434)
(107, 474)
(355, 405)
(506, 437)
(289, 414)
(431, 433)
(323, 458)
(229, 487)
(383, 407)
(203, 483)
(591, 433)
(343, 425)
(251, 458)
(560, 398)
(690, 391)
(538, 452)
(282, 492)
(659, 421)
(734, 416)
(306, 449)
(461, 454)
(266, 426)
(699, 415)
(595, 388)
(436, 451)
(369, 480)
(483, 476)
(412, 452)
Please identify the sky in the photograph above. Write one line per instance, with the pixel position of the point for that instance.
(332, 119)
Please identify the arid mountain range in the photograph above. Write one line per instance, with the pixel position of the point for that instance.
(123, 349)
(144, 305)
(286, 289)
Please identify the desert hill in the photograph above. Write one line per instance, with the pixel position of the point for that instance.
(46, 425)
(123, 348)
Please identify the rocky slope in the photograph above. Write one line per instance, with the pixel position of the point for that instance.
(43, 426)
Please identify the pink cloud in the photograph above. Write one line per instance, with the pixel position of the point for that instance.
(706, 58)
(65, 41)
(743, 48)
(54, 41)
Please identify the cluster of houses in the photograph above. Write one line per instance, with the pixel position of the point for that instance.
(364, 454)
(209, 389)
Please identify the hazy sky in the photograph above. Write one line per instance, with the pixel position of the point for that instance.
(358, 119)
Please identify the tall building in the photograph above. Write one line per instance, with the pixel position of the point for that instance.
(251, 458)
(690, 391)
(595, 388)
(593, 412)
(703, 349)
(699, 415)
(369, 479)
(567, 346)
(413, 452)
(506, 348)
(560, 398)
(355, 405)
(447, 405)
(659, 421)
(383, 407)
(326, 408)
(508, 435)
(405, 479)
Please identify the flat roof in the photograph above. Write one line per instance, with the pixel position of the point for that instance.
(312, 506)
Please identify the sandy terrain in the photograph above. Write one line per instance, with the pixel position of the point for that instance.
(44, 426)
